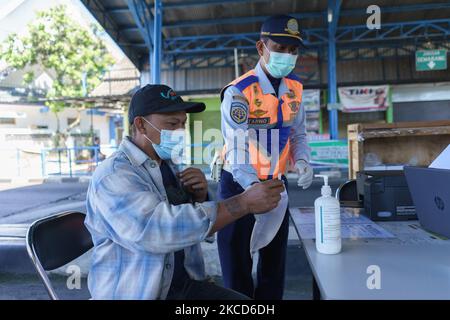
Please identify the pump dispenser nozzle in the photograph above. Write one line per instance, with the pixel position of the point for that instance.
(326, 189)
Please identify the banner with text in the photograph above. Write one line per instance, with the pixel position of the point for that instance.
(364, 98)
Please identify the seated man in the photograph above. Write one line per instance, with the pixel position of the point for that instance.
(147, 219)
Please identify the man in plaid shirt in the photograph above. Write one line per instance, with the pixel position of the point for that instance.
(147, 218)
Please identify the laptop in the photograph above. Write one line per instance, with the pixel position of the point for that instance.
(430, 191)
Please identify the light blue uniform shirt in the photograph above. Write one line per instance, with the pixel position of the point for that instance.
(245, 174)
(136, 231)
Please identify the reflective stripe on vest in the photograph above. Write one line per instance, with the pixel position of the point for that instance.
(266, 114)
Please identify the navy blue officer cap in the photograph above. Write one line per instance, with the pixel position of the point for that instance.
(282, 29)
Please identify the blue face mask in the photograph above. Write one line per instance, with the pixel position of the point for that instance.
(280, 64)
(172, 145)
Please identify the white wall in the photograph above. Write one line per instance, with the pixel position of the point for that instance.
(421, 92)
(21, 144)
(34, 117)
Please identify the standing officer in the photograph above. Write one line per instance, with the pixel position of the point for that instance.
(264, 104)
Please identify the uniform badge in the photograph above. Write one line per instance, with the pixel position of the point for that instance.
(294, 105)
(238, 112)
(292, 27)
(291, 94)
(258, 121)
(258, 113)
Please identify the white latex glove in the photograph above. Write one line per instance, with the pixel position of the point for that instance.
(305, 173)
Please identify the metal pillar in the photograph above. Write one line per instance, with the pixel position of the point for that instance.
(157, 44)
(236, 64)
(145, 24)
(333, 16)
(332, 96)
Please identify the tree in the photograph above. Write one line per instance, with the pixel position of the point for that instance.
(75, 56)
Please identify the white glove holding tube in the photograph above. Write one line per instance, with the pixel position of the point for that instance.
(305, 173)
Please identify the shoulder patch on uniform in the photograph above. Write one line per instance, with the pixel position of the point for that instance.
(238, 112)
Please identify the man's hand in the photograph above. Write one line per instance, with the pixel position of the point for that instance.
(258, 198)
(194, 182)
(262, 197)
(305, 173)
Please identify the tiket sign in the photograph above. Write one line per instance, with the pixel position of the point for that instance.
(363, 99)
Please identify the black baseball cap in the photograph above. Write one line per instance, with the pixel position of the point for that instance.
(282, 29)
(158, 98)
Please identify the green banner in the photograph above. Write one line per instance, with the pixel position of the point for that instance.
(329, 152)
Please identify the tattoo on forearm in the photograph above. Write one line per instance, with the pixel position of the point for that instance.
(234, 207)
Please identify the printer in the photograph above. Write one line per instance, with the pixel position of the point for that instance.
(385, 195)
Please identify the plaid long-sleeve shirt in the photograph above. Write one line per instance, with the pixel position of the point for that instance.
(136, 231)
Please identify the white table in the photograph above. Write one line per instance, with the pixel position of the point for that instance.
(413, 265)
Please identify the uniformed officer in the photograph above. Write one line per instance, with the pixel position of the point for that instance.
(264, 104)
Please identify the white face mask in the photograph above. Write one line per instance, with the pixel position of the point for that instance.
(172, 145)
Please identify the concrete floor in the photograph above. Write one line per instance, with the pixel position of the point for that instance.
(26, 204)
(29, 287)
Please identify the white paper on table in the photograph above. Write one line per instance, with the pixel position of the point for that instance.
(350, 231)
(410, 232)
(353, 225)
(443, 160)
(348, 215)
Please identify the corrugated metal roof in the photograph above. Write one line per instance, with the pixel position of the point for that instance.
(233, 17)
(122, 79)
(213, 18)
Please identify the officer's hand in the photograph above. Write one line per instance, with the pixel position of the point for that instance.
(194, 181)
(263, 196)
(305, 173)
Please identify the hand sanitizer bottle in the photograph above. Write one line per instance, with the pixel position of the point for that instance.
(328, 221)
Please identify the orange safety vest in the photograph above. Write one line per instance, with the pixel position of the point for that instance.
(268, 112)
